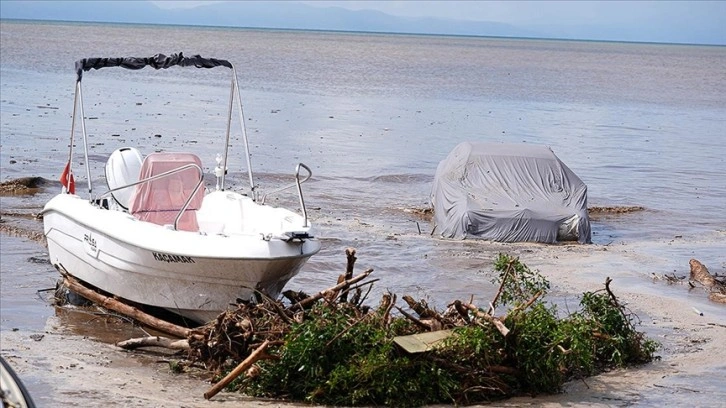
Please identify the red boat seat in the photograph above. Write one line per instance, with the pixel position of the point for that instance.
(160, 200)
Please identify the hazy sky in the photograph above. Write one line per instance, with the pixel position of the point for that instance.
(571, 11)
(666, 21)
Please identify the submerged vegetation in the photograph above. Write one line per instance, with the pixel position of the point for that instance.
(327, 349)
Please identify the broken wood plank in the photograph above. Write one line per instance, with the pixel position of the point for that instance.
(422, 342)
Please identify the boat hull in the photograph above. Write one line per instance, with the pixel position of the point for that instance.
(188, 273)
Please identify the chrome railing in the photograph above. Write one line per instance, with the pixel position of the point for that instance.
(162, 175)
(297, 184)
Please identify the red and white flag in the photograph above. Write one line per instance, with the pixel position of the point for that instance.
(66, 178)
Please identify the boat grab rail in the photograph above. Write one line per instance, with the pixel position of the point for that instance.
(297, 184)
(162, 175)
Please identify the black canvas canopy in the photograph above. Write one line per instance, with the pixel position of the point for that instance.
(158, 61)
(509, 192)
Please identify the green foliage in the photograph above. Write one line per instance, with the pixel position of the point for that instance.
(617, 342)
(327, 360)
(519, 283)
(340, 355)
(531, 348)
(176, 367)
(473, 345)
(575, 346)
(383, 376)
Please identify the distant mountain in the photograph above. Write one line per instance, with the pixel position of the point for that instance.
(674, 26)
(253, 14)
(103, 11)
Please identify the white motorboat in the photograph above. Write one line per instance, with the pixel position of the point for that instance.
(158, 237)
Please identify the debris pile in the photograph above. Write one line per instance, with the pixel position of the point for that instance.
(332, 348)
(327, 349)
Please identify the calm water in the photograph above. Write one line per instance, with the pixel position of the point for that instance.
(372, 115)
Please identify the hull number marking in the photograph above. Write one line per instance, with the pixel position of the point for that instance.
(88, 239)
(172, 258)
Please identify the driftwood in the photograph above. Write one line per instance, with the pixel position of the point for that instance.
(387, 303)
(154, 341)
(700, 274)
(351, 258)
(421, 307)
(234, 333)
(489, 318)
(123, 308)
(412, 318)
(461, 310)
(328, 292)
(254, 357)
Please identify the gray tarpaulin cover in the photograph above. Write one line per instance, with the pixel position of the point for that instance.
(509, 193)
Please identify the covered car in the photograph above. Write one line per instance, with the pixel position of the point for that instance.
(509, 193)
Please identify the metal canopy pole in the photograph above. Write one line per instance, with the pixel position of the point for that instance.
(244, 134)
(229, 129)
(85, 140)
(73, 127)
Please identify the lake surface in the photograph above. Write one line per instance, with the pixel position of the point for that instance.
(372, 115)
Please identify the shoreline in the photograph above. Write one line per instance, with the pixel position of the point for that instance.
(66, 360)
(60, 368)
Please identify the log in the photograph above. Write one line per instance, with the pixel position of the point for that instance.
(463, 312)
(418, 322)
(255, 356)
(421, 307)
(281, 312)
(388, 301)
(154, 341)
(351, 258)
(489, 318)
(326, 292)
(700, 274)
(124, 309)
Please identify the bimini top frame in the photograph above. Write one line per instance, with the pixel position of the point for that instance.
(159, 61)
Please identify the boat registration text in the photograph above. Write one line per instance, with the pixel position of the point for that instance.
(172, 258)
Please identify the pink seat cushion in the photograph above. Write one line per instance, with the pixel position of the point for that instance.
(159, 201)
